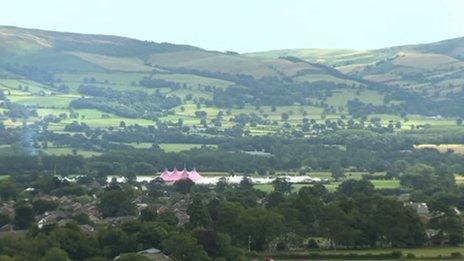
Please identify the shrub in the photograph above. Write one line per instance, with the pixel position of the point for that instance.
(312, 244)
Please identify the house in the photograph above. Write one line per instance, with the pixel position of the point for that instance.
(421, 208)
(54, 217)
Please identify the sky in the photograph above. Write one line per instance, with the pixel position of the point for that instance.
(249, 25)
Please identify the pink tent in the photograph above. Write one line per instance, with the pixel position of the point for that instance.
(194, 175)
(185, 174)
(176, 175)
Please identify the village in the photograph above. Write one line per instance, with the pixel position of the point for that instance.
(167, 194)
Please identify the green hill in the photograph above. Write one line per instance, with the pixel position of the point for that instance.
(57, 52)
(433, 67)
(69, 84)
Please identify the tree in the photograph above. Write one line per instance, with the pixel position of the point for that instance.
(41, 205)
(337, 172)
(260, 227)
(285, 116)
(168, 217)
(8, 189)
(459, 122)
(114, 241)
(148, 215)
(24, 216)
(152, 234)
(183, 186)
(74, 242)
(218, 245)
(282, 185)
(184, 248)
(352, 187)
(55, 254)
(116, 203)
(198, 212)
(274, 198)
(450, 227)
(142, 168)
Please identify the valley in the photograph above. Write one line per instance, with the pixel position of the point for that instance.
(303, 153)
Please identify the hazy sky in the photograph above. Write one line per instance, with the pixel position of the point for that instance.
(249, 25)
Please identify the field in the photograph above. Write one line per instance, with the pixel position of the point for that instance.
(443, 148)
(177, 147)
(123, 74)
(47, 102)
(69, 151)
(169, 147)
(426, 253)
(332, 186)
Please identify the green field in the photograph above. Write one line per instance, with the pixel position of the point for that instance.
(177, 147)
(425, 253)
(59, 101)
(69, 151)
(332, 186)
(341, 97)
(443, 148)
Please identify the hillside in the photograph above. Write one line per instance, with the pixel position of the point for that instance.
(58, 52)
(436, 68)
(58, 86)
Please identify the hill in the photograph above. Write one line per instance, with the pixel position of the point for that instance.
(70, 52)
(62, 91)
(436, 68)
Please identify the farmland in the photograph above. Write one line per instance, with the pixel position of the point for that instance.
(46, 102)
(295, 154)
(443, 148)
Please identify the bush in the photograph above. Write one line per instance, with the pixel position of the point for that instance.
(410, 256)
(456, 255)
(312, 244)
(281, 246)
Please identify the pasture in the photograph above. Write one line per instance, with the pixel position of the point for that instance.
(70, 151)
(443, 148)
(423, 253)
(332, 186)
(177, 147)
(47, 101)
(58, 101)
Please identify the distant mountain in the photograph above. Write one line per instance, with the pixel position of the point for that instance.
(57, 52)
(433, 67)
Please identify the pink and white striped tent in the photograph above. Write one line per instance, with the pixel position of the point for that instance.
(175, 175)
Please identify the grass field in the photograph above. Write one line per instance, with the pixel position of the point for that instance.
(194, 80)
(59, 101)
(333, 185)
(379, 184)
(341, 97)
(69, 151)
(426, 253)
(177, 147)
(443, 148)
